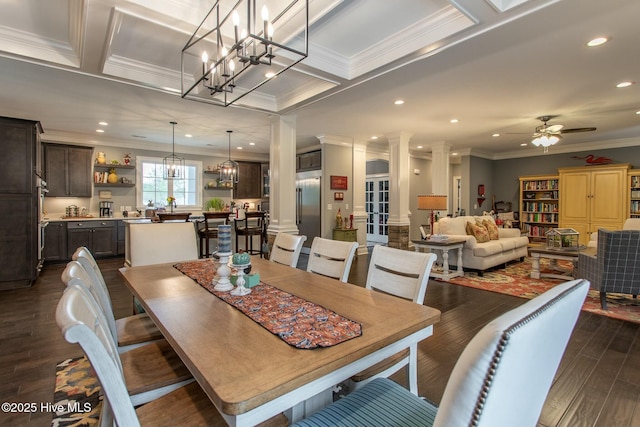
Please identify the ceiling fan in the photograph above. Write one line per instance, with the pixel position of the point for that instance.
(547, 135)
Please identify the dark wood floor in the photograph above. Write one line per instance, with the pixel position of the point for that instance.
(598, 383)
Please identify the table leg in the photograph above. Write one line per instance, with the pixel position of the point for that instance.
(535, 265)
(460, 270)
(445, 263)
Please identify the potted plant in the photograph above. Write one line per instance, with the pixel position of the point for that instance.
(215, 204)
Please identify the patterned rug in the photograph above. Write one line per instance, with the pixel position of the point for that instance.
(514, 280)
(77, 397)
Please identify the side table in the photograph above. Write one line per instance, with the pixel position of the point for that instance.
(345, 234)
(445, 247)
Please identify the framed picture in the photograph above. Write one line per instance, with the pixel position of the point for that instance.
(338, 182)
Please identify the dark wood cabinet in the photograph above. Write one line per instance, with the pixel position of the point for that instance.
(121, 233)
(309, 161)
(68, 170)
(100, 237)
(249, 184)
(19, 228)
(55, 241)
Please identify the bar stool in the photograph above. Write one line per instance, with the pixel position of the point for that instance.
(174, 216)
(250, 224)
(207, 229)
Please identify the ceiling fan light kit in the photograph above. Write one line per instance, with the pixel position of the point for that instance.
(238, 47)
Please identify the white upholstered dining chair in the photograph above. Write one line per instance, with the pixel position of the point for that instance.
(131, 331)
(286, 249)
(501, 379)
(404, 274)
(151, 370)
(331, 258)
(162, 242)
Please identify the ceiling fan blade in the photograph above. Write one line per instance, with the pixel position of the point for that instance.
(554, 128)
(576, 130)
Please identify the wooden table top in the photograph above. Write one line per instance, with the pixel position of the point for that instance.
(241, 365)
(448, 242)
(542, 249)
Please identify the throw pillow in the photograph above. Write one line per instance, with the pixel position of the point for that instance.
(491, 228)
(480, 233)
(468, 230)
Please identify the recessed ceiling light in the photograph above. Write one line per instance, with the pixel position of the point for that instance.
(454, 121)
(638, 112)
(374, 137)
(188, 135)
(598, 41)
(454, 154)
(624, 84)
(239, 148)
(495, 135)
(252, 143)
(103, 123)
(270, 74)
(419, 146)
(100, 130)
(398, 102)
(524, 144)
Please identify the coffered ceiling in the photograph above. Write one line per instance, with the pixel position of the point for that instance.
(494, 65)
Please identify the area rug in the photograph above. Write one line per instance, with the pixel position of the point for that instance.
(515, 280)
(77, 400)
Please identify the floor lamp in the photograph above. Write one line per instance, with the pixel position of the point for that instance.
(433, 203)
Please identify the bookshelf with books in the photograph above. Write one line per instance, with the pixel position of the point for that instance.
(634, 193)
(539, 197)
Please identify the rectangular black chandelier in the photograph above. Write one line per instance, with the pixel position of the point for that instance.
(241, 45)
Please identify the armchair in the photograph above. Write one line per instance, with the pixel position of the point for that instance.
(616, 266)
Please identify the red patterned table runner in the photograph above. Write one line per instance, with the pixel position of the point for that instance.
(298, 322)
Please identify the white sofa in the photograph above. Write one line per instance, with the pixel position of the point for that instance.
(481, 256)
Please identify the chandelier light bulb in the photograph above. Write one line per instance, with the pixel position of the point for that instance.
(265, 13)
(205, 57)
(225, 52)
(232, 65)
(235, 17)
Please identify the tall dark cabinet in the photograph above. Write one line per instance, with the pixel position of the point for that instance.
(19, 198)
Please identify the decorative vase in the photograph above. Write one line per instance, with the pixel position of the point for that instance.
(101, 159)
(112, 178)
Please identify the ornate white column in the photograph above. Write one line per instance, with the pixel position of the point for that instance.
(282, 168)
(359, 182)
(398, 223)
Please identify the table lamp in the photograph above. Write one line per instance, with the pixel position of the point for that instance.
(432, 202)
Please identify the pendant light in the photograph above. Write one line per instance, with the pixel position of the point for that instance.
(172, 166)
(229, 171)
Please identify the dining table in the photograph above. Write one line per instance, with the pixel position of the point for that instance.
(251, 374)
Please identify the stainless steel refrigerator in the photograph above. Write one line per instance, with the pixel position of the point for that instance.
(308, 205)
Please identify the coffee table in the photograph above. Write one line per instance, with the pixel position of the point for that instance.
(444, 246)
(538, 252)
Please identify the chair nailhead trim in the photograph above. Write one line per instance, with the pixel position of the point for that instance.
(497, 355)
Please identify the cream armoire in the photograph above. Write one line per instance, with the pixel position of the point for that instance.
(593, 197)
